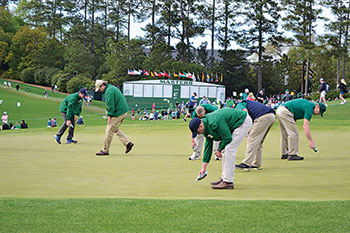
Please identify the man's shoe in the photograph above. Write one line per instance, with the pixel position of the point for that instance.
(217, 158)
(57, 139)
(193, 157)
(255, 167)
(295, 157)
(223, 185)
(243, 166)
(216, 182)
(284, 156)
(69, 141)
(129, 147)
(102, 153)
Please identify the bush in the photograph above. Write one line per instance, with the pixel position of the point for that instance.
(43, 76)
(27, 75)
(79, 81)
(62, 79)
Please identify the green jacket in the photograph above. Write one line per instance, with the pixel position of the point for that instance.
(115, 101)
(208, 109)
(219, 126)
(71, 105)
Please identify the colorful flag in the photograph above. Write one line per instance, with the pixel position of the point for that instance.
(202, 77)
(176, 75)
(222, 78)
(208, 78)
(152, 74)
(216, 80)
(146, 73)
(131, 72)
(166, 74)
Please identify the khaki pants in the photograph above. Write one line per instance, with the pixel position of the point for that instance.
(256, 137)
(199, 142)
(289, 131)
(113, 128)
(229, 155)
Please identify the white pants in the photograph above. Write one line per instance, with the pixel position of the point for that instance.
(199, 140)
(229, 154)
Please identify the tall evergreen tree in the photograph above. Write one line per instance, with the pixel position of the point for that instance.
(261, 17)
(300, 19)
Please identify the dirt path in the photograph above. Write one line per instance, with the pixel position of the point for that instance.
(33, 85)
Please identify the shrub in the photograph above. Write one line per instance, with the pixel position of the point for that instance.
(79, 81)
(43, 76)
(62, 79)
(27, 75)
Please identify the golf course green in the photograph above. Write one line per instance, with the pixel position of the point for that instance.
(47, 187)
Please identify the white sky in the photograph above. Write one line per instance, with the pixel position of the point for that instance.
(137, 31)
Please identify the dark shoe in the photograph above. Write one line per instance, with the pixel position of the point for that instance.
(69, 141)
(295, 157)
(102, 153)
(217, 158)
(223, 185)
(57, 139)
(216, 182)
(284, 156)
(129, 147)
(255, 167)
(243, 166)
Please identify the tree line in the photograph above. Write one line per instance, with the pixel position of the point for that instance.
(72, 43)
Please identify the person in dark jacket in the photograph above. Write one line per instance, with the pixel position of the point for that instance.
(263, 118)
(343, 90)
(261, 96)
(323, 91)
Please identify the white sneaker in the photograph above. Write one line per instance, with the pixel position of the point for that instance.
(344, 101)
(193, 157)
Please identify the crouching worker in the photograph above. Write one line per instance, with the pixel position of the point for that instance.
(229, 126)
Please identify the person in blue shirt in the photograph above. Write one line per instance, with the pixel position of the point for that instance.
(49, 123)
(263, 118)
(192, 103)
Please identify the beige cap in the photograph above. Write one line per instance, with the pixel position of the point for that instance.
(98, 84)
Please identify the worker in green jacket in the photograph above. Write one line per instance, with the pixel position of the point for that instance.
(117, 110)
(198, 141)
(287, 115)
(229, 126)
(70, 107)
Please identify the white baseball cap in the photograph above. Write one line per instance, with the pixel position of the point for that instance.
(98, 84)
(5, 113)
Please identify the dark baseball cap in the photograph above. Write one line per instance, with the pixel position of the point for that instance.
(323, 108)
(83, 91)
(194, 124)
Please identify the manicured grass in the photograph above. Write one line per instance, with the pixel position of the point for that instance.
(40, 178)
(130, 215)
(36, 109)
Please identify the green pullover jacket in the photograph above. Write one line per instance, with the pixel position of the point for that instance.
(115, 101)
(219, 126)
(71, 105)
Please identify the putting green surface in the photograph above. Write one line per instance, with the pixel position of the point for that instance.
(32, 164)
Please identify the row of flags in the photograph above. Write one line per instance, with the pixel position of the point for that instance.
(200, 78)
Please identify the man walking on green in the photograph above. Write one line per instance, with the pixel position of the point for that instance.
(287, 114)
(117, 110)
(70, 107)
(229, 126)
